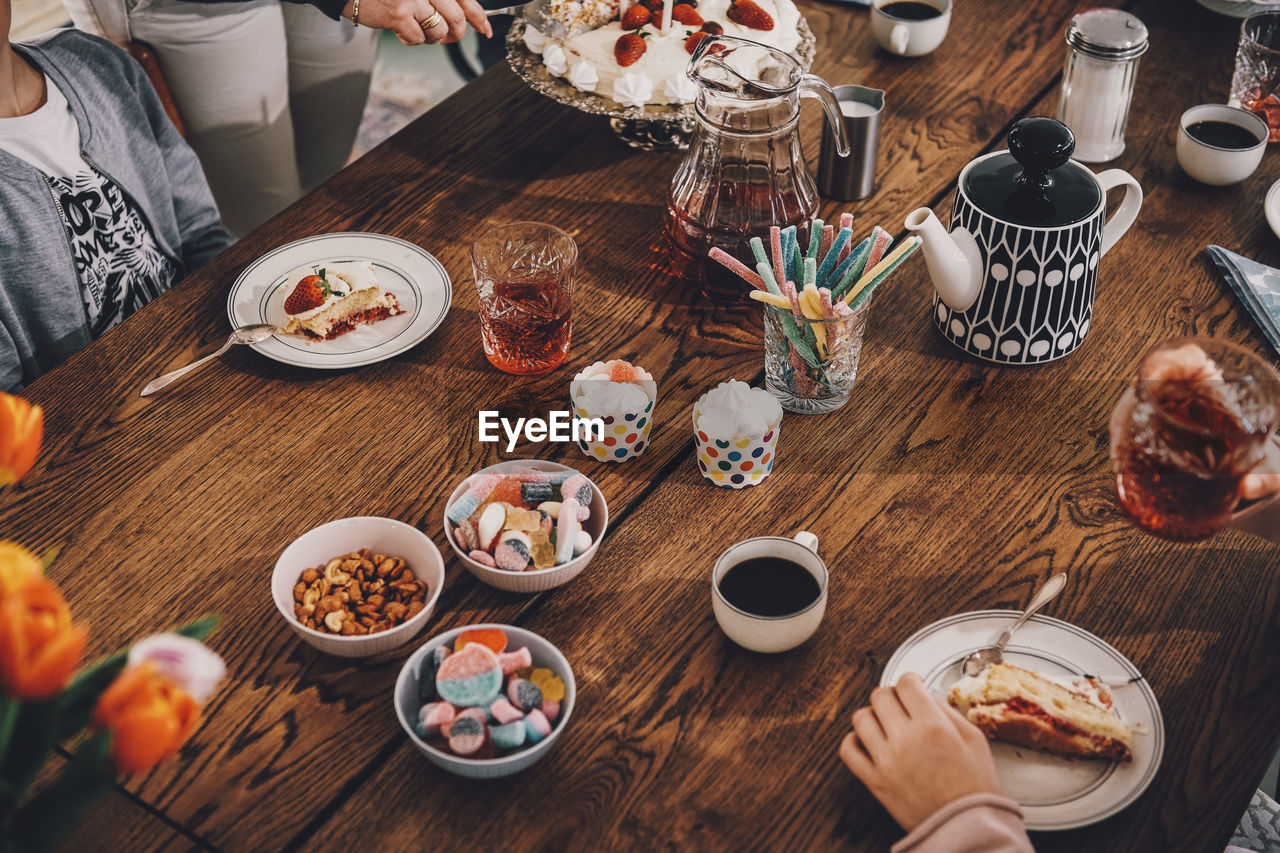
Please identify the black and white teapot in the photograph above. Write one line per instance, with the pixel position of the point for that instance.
(1015, 278)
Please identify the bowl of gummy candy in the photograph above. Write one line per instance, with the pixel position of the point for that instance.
(485, 701)
(512, 527)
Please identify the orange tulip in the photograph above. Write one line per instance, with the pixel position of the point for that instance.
(18, 567)
(21, 428)
(39, 647)
(149, 717)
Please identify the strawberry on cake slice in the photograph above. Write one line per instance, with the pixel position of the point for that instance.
(328, 300)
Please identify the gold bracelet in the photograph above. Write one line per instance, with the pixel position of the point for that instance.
(355, 13)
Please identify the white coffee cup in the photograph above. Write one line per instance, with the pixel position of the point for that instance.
(1215, 166)
(770, 633)
(909, 37)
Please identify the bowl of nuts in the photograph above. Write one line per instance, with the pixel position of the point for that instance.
(357, 587)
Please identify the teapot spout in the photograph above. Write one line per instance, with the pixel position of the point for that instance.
(954, 262)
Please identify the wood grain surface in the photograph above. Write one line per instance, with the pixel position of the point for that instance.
(946, 485)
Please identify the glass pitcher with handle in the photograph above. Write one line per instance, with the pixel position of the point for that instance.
(745, 170)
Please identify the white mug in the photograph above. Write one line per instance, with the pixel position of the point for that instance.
(907, 37)
(770, 633)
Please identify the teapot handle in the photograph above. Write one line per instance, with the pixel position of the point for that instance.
(813, 86)
(1126, 213)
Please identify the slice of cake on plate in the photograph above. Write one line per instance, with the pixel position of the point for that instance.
(327, 300)
(1065, 716)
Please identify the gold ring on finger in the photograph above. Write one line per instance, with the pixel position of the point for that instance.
(435, 19)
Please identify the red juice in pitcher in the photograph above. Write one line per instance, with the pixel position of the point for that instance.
(740, 212)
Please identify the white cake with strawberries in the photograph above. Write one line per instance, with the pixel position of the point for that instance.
(630, 59)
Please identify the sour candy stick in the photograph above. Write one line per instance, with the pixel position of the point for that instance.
(811, 305)
(797, 258)
(770, 299)
(879, 247)
(815, 239)
(810, 273)
(757, 249)
(775, 243)
(832, 256)
(846, 220)
(481, 486)
(828, 234)
(736, 266)
(847, 273)
(828, 313)
(789, 291)
(854, 273)
(862, 292)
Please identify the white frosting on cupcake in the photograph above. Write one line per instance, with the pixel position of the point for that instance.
(593, 390)
(583, 76)
(734, 409)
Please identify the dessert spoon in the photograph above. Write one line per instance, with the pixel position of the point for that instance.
(982, 658)
(242, 335)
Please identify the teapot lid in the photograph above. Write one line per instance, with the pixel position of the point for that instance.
(1035, 182)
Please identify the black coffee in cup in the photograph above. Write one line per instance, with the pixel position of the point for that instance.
(911, 10)
(769, 586)
(1222, 134)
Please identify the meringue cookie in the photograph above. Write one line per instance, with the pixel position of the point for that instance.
(553, 57)
(534, 39)
(633, 90)
(583, 76)
(680, 89)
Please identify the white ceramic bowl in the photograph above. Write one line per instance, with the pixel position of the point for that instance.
(381, 535)
(544, 655)
(1215, 166)
(532, 580)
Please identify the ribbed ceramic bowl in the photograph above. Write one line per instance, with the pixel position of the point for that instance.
(380, 535)
(544, 655)
(532, 580)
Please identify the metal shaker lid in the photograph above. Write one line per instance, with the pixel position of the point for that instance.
(1108, 34)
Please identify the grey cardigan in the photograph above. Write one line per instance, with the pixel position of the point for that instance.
(125, 134)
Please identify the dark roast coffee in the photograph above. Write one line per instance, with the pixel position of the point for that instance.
(911, 10)
(1222, 134)
(769, 586)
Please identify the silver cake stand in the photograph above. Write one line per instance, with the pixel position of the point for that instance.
(660, 127)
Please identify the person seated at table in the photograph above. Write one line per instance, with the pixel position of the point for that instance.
(104, 205)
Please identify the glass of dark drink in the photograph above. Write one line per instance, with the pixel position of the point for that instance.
(1193, 422)
(524, 279)
(1255, 86)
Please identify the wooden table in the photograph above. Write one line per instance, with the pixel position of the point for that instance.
(946, 485)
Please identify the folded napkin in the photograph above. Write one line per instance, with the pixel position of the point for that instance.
(1258, 287)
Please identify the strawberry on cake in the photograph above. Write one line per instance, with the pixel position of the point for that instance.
(327, 300)
(632, 61)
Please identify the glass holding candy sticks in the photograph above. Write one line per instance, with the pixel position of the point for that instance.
(814, 329)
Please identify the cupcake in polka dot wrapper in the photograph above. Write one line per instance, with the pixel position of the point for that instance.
(623, 396)
(735, 428)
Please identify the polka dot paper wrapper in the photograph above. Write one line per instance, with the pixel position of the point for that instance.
(625, 436)
(735, 463)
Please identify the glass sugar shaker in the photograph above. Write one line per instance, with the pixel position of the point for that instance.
(1097, 83)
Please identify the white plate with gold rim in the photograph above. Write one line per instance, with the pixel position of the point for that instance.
(1054, 792)
(414, 276)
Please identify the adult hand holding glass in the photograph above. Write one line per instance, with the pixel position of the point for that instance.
(1148, 435)
(421, 21)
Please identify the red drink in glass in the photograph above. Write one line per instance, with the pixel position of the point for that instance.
(524, 280)
(1195, 420)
